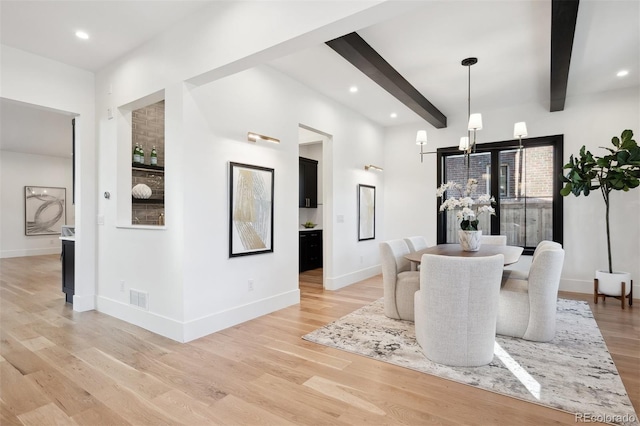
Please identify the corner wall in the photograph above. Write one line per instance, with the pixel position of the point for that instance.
(193, 286)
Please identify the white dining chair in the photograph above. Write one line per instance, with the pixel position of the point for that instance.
(527, 307)
(456, 308)
(416, 243)
(519, 270)
(498, 240)
(398, 280)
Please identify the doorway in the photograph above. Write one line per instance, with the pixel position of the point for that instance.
(36, 146)
(312, 249)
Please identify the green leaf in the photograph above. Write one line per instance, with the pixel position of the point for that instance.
(623, 157)
(615, 141)
(627, 134)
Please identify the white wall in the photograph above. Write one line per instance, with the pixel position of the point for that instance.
(36, 80)
(214, 287)
(193, 287)
(18, 170)
(590, 120)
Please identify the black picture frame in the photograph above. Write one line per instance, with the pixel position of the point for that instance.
(251, 195)
(366, 212)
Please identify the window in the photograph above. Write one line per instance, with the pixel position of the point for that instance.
(525, 182)
(503, 184)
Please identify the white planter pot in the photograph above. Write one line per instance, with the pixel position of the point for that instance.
(609, 283)
(469, 240)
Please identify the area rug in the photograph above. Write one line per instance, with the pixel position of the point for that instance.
(574, 372)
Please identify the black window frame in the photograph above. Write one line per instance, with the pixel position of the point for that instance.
(494, 148)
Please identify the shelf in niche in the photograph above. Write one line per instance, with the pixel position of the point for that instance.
(146, 167)
(147, 201)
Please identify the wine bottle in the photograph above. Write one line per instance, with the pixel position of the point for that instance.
(136, 154)
(154, 156)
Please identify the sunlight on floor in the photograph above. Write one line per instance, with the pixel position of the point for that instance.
(525, 378)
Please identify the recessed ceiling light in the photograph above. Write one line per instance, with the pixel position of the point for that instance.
(622, 73)
(393, 115)
(353, 89)
(82, 35)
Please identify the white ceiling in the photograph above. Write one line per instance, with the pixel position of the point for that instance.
(510, 38)
(35, 130)
(47, 28)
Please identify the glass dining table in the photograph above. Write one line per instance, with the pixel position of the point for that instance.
(511, 253)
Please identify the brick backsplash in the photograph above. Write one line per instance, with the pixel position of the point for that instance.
(146, 214)
(148, 131)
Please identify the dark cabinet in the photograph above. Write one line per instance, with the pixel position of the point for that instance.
(308, 183)
(68, 269)
(310, 250)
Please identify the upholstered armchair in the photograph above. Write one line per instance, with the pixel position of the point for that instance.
(512, 271)
(399, 282)
(416, 243)
(498, 240)
(456, 308)
(527, 307)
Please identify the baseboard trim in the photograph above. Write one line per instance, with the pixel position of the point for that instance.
(158, 324)
(190, 330)
(337, 283)
(5, 254)
(84, 303)
(203, 326)
(586, 287)
(576, 286)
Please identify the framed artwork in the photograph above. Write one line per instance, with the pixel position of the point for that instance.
(251, 209)
(366, 212)
(44, 210)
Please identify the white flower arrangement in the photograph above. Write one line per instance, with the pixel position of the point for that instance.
(468, 208)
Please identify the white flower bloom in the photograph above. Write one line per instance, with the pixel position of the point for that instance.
(466, 202)
(460, 198)
(468, 213)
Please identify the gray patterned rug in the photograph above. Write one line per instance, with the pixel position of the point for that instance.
(574, 372)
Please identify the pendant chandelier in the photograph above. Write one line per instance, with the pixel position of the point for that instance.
(468, 144)
(474, 120)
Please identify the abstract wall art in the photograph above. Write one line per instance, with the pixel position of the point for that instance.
(44, 210)
(366, 212)
(251, 209)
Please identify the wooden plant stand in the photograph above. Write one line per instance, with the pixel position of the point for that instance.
(597, 294)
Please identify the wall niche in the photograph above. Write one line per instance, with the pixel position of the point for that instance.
(147, 166)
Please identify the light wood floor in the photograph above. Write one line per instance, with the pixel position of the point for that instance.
(62, 367)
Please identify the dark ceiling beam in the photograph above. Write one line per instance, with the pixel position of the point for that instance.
(564, 14)
(355, 50)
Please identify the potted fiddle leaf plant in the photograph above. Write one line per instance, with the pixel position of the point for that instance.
(618, 170)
